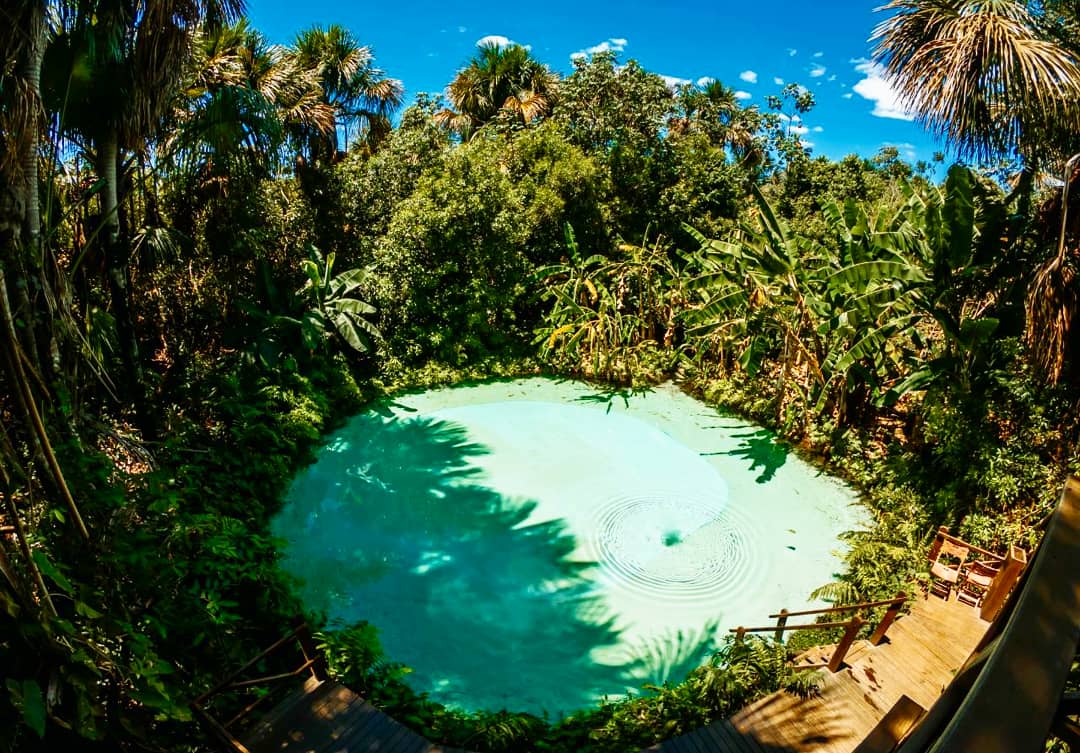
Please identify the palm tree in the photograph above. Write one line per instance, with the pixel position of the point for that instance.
(996, 78)
(360, 95)
(119, 66)
(240, 97)
(22, 38)
(713, 109)
(982, 73)
(500, 79)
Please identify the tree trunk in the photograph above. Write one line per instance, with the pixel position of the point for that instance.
(29, 261)
(116, 270)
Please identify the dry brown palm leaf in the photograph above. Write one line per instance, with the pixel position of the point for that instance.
(1054, 298)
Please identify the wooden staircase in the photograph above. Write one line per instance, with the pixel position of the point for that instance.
(924, 650)
(319, 716)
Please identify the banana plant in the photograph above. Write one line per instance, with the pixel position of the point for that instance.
(333, 311)
(607, 313)
(892, 306)
(760, 298)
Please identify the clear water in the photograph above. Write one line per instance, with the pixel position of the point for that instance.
(535, 545)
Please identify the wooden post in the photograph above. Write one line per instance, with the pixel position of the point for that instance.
(844, 646)
(938, 540)
(219, 730)
(1003, 583)
(307, 646)
(887, 620)
(781, 621)
(740, 633)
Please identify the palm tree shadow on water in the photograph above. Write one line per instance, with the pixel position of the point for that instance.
(393, 526)
(762, 450)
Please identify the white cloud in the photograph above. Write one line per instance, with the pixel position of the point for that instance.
(831, 78)
(743, 95)
(818, 54)
(778, 81)
(875, 88)
(498, 39)
(674, 81)
(817, 71)
(749, 77)
(800, 130)
(807, 144)
(792, 52)
(849, 95)
(615, 44)
(462, 29)
(705, 81)
(817, 129)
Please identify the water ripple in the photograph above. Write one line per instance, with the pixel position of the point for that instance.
(676, 547)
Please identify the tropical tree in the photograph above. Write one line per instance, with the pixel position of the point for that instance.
(713, 109)
(360, 95)
(999, 78)
(239, 92)
(116, 67)
(897, 301)
(22, 42)
(498, 80)
(610, 317)
(987, 75)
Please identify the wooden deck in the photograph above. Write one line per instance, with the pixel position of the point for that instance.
(924, 650)
(326, 717)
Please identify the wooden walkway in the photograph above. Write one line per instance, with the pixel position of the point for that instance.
(924, 650)
(326, 717)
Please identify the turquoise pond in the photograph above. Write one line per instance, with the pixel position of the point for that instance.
(536, 544)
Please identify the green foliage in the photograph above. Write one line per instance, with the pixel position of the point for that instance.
(611, 319)
(332, 307)
(854, 306)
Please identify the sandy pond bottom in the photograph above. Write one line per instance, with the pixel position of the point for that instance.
(537, 544)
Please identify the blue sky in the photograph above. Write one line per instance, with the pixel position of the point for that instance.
(753, 47)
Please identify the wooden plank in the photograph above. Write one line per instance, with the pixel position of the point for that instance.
(736, 742)
(364, 720)
(277, 721)
(374, 737)
(328, 722)
(400, 737)
(1012, 703)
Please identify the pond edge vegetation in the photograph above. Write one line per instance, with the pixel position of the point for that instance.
(204, 270)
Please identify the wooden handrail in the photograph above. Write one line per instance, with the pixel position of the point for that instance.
(224, 684)
(851, 627)
(899, 599)
(770, 628)
(1006, 698)
(312, 662)
(271, 678)
(943, 533)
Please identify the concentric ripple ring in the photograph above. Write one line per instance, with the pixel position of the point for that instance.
(676, 547)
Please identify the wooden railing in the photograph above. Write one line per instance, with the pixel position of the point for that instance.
(944, 535)
(1009, 569)
(312, 663)
(1009, 693)
(851, 626)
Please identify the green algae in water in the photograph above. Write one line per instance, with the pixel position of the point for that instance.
(535, 545)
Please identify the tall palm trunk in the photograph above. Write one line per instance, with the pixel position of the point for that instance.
(29, 261)
(116, 269)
